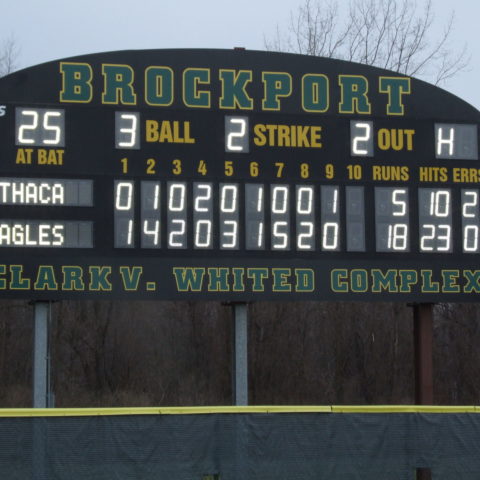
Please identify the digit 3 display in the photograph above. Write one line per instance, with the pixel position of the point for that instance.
(235, 175)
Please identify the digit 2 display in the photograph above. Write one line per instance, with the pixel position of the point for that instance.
(235, 175)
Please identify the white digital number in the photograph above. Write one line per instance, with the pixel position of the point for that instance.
(202, 215)
(440, 203)
(260, 224)
(124, 195)
(391, 219)
(427, 238)
(179, 232)
(203, 230)
(280, 235)
(398, 202)
(330, 236)
(361, 142)
(280, 217)
(232, 234)
(124, 214)
(260, 199)
(304, 240)
(130, 232)
(305, 225)
(176, 215)
(228, 198)
(176, 198)
(39, 127)
(260, 235)
(280, 200)
(28, 127)
(305, 200)
(254, 216)
(398, 232)
(129, 132)
(470, 220)
(236, 134)
(207, 188)
(444, 238)
(330, 218)
(439, 232)
(156, 198)
(397, 236)
(229, 216)
(470, 204)
(435, 236)
(470, 238)
(334, 203)
(150, 215)
(57, 131)
(153, 232)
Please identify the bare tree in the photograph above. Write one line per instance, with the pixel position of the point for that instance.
(9, 53)
(392, 34)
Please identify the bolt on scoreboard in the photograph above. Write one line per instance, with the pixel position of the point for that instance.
(235, 175)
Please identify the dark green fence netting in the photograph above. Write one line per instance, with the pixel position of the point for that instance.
(286, 446)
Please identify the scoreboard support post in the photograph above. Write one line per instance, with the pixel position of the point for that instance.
(41, 382)
(41, 355)
(240, 355)
(423, 345)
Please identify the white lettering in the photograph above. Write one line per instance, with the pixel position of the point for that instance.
(32, 193)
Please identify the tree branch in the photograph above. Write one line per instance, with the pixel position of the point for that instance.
(386, 33)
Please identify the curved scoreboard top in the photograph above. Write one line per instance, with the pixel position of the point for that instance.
(235, 175)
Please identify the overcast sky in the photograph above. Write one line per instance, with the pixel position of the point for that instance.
(52, 29)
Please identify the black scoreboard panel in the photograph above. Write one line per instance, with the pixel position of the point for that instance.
(235, 175)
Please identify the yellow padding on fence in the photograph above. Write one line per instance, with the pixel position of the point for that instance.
(404, 409)
(82, 412)
(75, 412)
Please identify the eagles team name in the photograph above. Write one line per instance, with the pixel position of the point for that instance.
(120, 87)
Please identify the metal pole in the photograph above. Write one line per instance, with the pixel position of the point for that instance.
(41, 386)
(41, 370)
(423, 344)
(240, 355)
(423, 337)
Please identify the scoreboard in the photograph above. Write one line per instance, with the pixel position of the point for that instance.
(235, 175)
